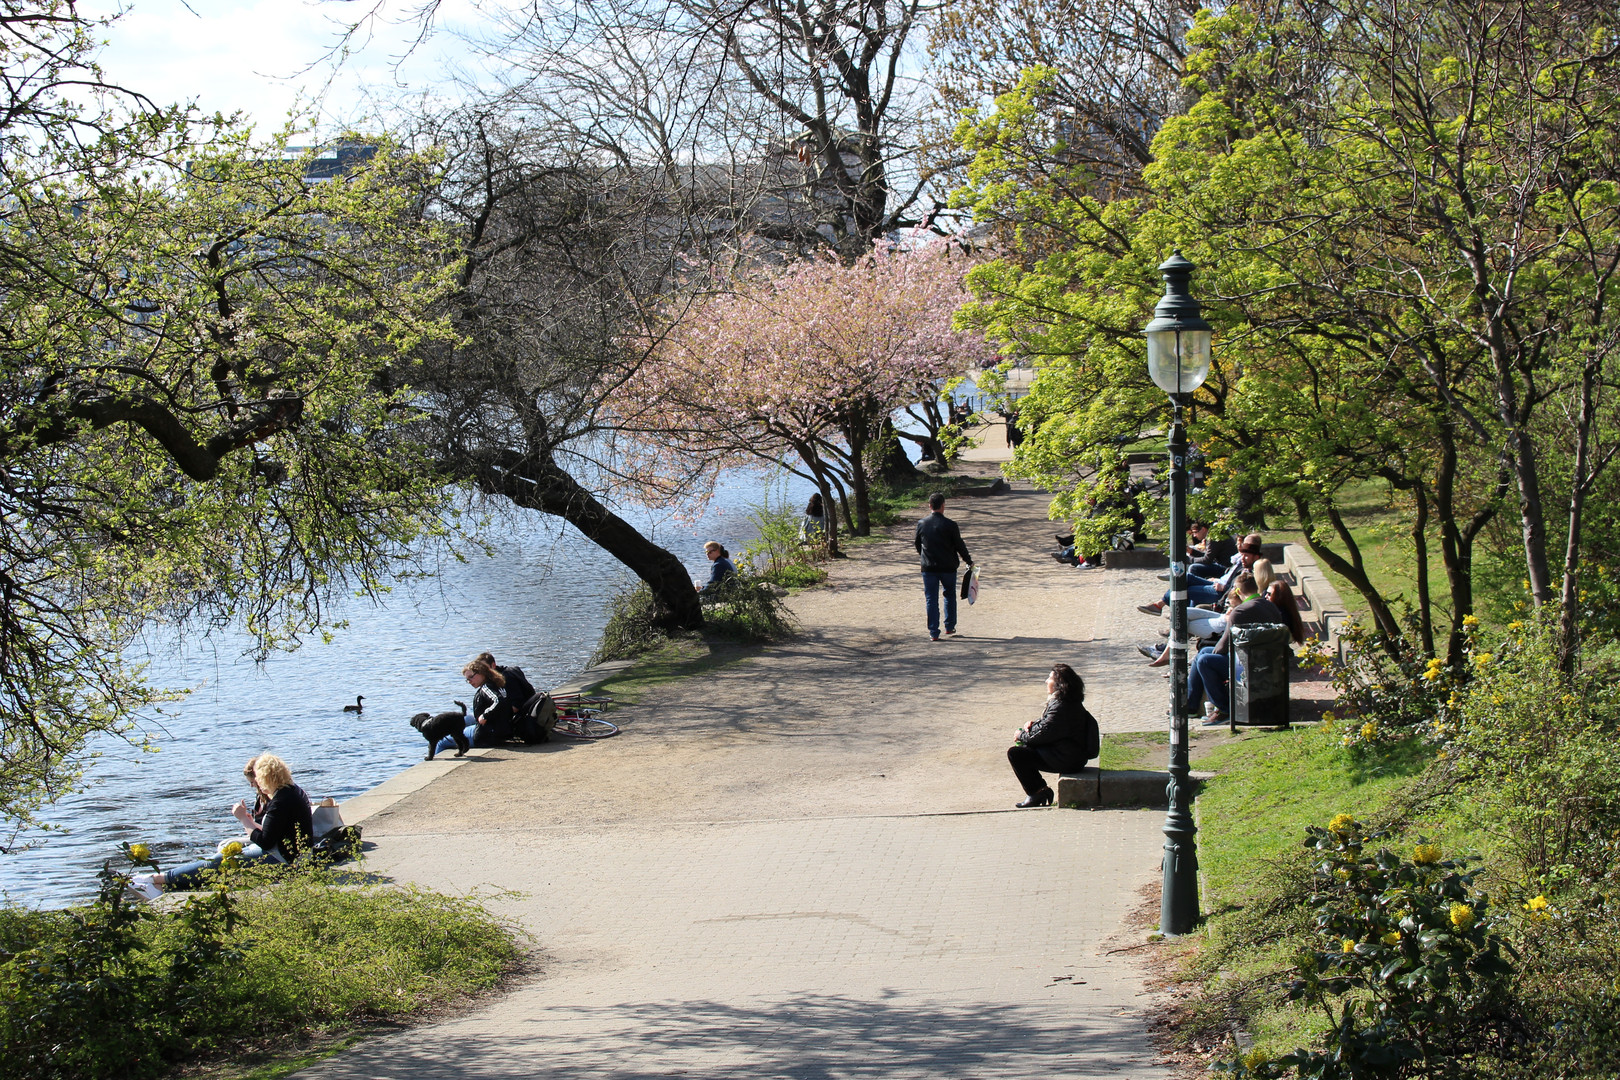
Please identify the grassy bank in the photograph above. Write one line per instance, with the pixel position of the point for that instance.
(1421, 891)
(260, 971)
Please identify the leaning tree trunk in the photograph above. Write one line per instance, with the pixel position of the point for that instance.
(547, 488)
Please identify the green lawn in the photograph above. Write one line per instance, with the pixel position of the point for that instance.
(1268, 786)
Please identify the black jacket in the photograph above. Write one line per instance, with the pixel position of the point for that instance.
(286, 824)
(518, 688)
(1218, 555)
(1257, 610)
(939, 542)
(491, 705)
(1065, 736)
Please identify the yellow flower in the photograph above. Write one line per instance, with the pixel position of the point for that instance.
(1391, 938)
(1342, 874)
(1482, 659)
(1515, 625)
(1470, 621)
(1369, 729)
(1255, 1060)
(1426, 854)
(232, 848)
(1431, 674)
(140, 852)
(1462, 916)
(1341, 823)
(1537, 908)
(1348, 946)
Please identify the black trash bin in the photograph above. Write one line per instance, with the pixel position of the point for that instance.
(1259, 674)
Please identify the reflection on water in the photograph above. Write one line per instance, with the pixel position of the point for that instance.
(539, 603)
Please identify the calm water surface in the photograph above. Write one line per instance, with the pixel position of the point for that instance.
(539, 603)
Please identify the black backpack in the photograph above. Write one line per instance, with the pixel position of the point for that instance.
(535, 719)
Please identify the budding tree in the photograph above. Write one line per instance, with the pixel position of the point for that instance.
(807, 362)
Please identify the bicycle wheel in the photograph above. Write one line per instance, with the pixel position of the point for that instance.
(585, 727)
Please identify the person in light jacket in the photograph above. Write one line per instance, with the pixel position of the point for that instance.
(1062, 739)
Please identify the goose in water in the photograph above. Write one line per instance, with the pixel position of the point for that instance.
(356, 707)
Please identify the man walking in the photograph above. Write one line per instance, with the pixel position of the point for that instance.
(939, 542)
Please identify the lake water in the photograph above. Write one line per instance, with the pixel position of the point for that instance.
(539, 603)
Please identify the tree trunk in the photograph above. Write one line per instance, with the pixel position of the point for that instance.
(1353, 569)
(1457, 544)
(894, 469)
(858, 482)
(1420, 548)
(549, 489)
(1569, 627)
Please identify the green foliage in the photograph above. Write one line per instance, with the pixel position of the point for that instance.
(747, 609)
(1542, 757)
(1520, 763)
(780, 555)
(1408, 969)
(1327, 179)
(201, 419)
(633, 626)
(117, 988)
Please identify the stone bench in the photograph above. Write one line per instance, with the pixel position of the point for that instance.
(1091, 787)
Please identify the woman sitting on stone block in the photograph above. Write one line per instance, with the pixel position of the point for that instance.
(1062, 739)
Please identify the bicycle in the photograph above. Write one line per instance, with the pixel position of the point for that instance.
(579, 716)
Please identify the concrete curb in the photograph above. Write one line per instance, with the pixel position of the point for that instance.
(370, 803)
(1091, 788)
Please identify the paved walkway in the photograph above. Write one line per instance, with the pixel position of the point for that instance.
(803, 863)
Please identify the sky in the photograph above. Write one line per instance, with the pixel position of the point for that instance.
(252, 55)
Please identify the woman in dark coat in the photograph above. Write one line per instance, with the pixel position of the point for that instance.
(1062, 739)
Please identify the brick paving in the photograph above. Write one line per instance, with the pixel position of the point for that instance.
(802, 864)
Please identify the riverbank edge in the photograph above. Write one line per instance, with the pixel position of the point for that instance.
(357, 809)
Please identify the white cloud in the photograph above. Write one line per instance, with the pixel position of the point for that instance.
(257, 55)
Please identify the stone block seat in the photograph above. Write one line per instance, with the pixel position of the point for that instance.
(1092, 788)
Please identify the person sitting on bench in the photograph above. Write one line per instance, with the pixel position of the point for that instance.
(1210, 672)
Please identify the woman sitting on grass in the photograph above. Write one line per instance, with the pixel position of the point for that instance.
(724, 569)
(280, 833)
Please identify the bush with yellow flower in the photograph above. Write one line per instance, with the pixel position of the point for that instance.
(1410, 950)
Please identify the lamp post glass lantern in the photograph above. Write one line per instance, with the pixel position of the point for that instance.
(1179, 344)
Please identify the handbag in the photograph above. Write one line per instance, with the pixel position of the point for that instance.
(324, 817)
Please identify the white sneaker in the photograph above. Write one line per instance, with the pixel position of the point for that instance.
(143, 886)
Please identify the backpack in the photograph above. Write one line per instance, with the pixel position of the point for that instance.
(536, 719)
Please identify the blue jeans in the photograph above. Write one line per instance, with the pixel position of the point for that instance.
(189, 876)
(1200, 593)
(933, 581)
(448, 743)
(1209, 676)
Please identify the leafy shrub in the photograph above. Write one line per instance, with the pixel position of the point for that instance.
(1541, 756)
(778, 555)
(117, 988)
(1389, 691)
(632, 627)
(1409, 972)
(747, 609)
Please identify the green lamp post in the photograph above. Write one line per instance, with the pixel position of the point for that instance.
(1178, 352)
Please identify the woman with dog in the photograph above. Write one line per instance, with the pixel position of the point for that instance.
(1062, 739)
(491, 711)
(283, 828)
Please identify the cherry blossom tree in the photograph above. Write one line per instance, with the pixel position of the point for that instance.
(805, 365)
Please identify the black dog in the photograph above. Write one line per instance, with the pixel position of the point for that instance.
(437, 725)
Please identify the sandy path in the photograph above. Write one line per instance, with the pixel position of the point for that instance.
(802, 863)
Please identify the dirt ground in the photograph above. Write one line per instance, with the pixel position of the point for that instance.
(860, 713)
